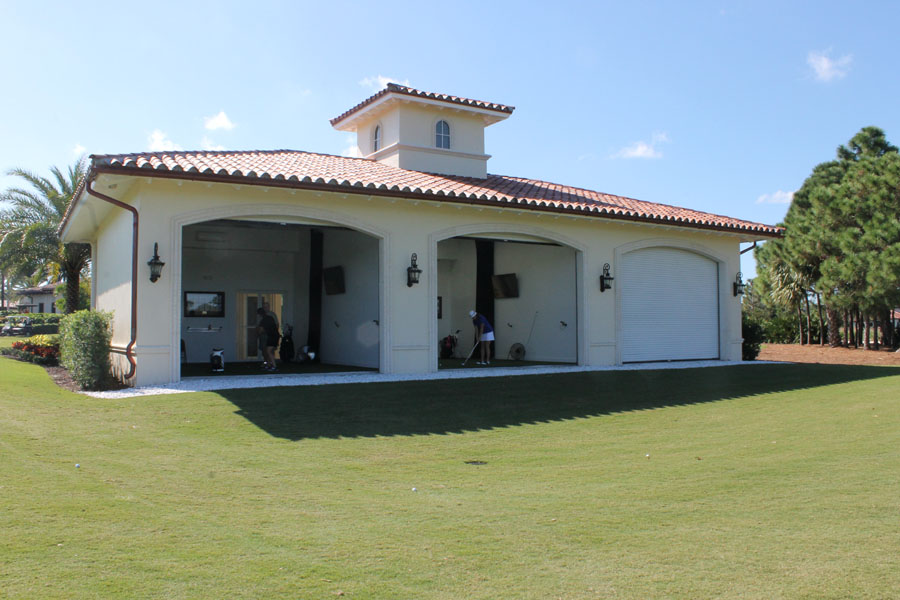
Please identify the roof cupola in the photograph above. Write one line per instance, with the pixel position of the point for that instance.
(422, 131)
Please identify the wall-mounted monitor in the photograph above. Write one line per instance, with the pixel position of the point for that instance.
(505, 285)
(333, 278)
(204, 304)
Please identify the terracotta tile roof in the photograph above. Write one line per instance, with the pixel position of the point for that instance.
(408, 91)
(307, 170)
(41, 289)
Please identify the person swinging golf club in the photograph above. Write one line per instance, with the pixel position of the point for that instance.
(484, 335)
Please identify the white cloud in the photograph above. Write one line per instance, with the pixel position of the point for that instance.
(79, 150)
(642, 149)
(159, 142)
(208, 144)
(352, 150)
(380, 82)
(219, 121)
(827, 69)
(779, 197)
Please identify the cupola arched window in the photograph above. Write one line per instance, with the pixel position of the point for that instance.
(442, 134)
(376, 139)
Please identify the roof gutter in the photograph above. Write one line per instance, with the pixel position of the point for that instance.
(745, 250)
(129, 350)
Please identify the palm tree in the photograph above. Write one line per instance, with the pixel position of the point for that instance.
(789, 289)
(28, 227)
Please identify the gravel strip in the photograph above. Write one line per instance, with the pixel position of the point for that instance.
(208, 384)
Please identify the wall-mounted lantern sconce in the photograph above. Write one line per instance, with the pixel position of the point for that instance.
(738, 284)
(155, 264)
(606, 279)
(413, 271)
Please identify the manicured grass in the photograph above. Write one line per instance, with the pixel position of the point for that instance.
(776, 481)
(6, 341)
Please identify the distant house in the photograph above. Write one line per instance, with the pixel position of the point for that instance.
(40, 299)
(358, 254)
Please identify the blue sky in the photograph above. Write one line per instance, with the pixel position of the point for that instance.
(722, 106)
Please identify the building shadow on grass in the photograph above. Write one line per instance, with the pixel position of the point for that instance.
(455, 406)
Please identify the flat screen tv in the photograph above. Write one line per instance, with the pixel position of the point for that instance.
(204, 304)
(505, 285)
(334, 280)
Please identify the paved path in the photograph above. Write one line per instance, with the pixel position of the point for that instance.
(206, 384)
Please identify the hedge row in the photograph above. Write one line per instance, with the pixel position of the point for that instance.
(36, 318)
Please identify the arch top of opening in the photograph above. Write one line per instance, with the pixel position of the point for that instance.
(279, 214)
(500, 232)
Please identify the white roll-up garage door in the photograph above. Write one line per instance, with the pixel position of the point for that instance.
(669, 305)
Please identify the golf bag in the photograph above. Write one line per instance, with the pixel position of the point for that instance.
(448, 346)
(287, 345)
(217, 360)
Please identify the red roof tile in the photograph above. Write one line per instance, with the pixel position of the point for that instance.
(408, 91)
(291, 168)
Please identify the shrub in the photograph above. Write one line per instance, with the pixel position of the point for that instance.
(753, 335)
(85, 345)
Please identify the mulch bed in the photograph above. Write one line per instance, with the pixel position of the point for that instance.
(61, 377)
(829, 356)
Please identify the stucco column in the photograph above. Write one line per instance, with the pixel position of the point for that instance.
(409, 308)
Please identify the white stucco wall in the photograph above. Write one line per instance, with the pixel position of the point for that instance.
(409, 327)
(351, 321)
(456, 280)
(417, 127)
(408, 140)
(111, 264)
(547, 293)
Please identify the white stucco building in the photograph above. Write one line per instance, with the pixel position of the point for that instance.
(328, 242)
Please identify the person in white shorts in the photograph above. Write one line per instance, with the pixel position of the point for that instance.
(484, 335)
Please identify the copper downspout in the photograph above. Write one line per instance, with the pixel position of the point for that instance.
(134, 271)
(745, 250)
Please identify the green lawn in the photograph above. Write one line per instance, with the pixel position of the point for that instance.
(769, 481)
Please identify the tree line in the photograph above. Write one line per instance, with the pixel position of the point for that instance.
(837, 268)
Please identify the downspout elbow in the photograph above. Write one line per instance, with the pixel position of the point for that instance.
(129, 350)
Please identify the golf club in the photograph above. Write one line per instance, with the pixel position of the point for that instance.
(470, 353)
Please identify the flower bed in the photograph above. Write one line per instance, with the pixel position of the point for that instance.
(39, 349)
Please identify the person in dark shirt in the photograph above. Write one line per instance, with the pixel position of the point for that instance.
(267, 327)
(484, 335)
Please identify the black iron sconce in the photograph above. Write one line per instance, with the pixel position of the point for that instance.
(738, 284)
(606, 279)
(155, 264)
(413, 271)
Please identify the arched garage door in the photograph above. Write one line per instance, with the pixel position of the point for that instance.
(670, 305)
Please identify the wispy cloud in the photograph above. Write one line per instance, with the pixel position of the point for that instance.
(779, 197)
(219, 121)
(352, 150)
(379, 82)
(78, 150)
(207, 144)
(158, 141)
(827, 69)
(643, 149)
